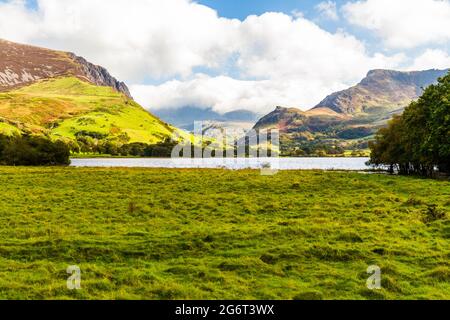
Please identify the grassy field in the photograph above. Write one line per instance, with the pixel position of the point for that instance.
(216, 234)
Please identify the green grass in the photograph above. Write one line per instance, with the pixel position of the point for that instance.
(216, 234)
(62, 107)
(132, 120)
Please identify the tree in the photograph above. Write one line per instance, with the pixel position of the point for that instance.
(418, 141)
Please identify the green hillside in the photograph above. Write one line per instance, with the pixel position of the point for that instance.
(67, 107)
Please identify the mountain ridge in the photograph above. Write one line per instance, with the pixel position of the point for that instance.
(43, 63)
(346, 120)
(381, 88)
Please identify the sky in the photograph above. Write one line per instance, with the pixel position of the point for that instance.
(237, 54)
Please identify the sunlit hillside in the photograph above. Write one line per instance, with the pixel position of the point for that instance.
(65, 107)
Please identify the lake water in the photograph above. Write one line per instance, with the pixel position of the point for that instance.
(355, 164)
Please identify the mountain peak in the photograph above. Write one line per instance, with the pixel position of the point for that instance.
(22, 65)
(280, 118)
(381, 88)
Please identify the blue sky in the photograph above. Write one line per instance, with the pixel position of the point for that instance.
(237, 54)
(240, 9)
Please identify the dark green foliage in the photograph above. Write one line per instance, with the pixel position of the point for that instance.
(88, 144)
(162, 149)
(418, 142)
(315, 148)
(355, 133)
(433, 213)
(309, 296)
(95, 135)
(28, 150)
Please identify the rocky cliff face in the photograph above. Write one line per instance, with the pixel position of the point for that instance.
(98, 75)
(21, 65)
(386, 89)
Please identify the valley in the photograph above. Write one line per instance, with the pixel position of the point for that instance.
(217, 159)
(63, 96)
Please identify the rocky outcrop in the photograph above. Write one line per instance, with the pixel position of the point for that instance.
(98, 75)
(21, 65)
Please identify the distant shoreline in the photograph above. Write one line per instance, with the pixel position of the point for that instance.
(276, 164)
(106, 156)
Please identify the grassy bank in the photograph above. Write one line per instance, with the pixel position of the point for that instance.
(207, 234)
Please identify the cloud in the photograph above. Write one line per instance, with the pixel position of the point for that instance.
(273, 58)
(134, 39)
(431, 59)
(328, 10)
(403, 24)
(17, 23)
(276, 46)
(282, 61)
(226, 94)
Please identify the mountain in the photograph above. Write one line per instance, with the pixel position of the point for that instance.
(186, 116)
(282, 118)
(62, 95)
(347, 120)
(23, 64)
(385, 89)
(296, 125)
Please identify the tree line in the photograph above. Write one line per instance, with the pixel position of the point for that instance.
(38, 150)
(418, 141)
(86, 144)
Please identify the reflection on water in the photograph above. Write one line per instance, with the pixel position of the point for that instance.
(234, 164)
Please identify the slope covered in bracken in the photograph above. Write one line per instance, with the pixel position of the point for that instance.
(62, 95)
(66, 107)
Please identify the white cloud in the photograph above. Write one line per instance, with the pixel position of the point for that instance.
(403, 23)
(328, 10)
(134, 39)
(276, 58)
(431, 59)
(226, 94)
(17, 23)
(276, 46)
(294, 61)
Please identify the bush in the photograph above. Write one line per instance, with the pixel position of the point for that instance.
(355, 133)
(30, 150)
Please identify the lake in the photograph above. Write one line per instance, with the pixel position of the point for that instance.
(355, 164)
